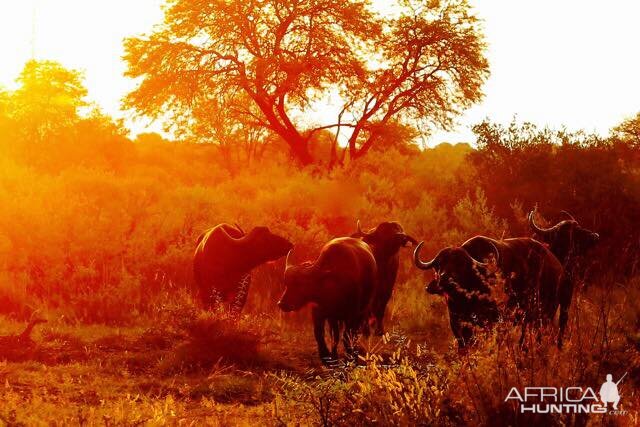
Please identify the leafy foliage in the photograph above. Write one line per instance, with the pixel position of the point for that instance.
(629, 131)
(593, 178)
(257, 62)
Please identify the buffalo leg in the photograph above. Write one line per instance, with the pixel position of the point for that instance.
(209, 296)
(203, 290)
(565, 303)
(366, 327)
(334, 327)
(523, 332)
(379, 316)
(204, 296)
(564, 317)
(457, 330)
(379, 309)
(241, 296)
(318, 332)
(347, 339)
(350, 336)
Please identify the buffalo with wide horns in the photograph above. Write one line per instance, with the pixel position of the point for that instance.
(568, 240)
(224, 258)
(532, 280)
(339, 284)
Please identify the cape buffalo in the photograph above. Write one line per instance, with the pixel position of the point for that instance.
(385, 241)
(534, 284)
(224, 258)
(567, 239)
(339, 284)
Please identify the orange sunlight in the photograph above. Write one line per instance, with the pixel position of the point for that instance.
(551, 62)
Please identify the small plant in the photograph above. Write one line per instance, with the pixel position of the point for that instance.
(385, 390)
(214, 338)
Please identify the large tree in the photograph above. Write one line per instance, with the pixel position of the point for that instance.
(420, 62)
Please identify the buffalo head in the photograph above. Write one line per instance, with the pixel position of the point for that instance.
(566, 239)
(298, 285)
(461, 279)
(387, 237)
(455, 271)
(267, 246)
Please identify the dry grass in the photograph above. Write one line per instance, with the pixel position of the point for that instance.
(186, 366)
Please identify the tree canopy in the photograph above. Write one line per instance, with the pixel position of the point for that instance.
(47, 100)
(629, 131)
(417, 62)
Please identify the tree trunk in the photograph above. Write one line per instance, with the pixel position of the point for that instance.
(299, 147)
(302, 154)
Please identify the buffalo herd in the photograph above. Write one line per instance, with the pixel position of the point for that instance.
(527, 279)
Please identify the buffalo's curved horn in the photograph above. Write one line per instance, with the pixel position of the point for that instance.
(288, 263)
(227, 235)
(418, 262)
(495, 252)
(360, 232)
(478, 263)
(569, 215)
(239, 228)
(533, 225)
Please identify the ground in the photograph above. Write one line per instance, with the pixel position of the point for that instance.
(183, 366)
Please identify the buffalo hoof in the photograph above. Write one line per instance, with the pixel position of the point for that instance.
(330, 362)
(355, 359)
(352, 355)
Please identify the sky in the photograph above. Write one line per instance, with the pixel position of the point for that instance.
(570, 63)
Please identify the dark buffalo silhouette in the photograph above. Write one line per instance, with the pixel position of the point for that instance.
(385, 241)
(224, 258)
(568, 240)
(534, 284)
(340, 285)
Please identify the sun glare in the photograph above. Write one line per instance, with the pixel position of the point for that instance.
(81, 34)
(553, 63)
